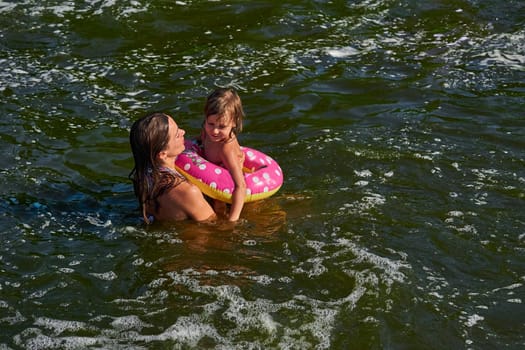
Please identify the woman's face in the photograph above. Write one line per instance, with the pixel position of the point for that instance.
(175, 144)
(218, 129)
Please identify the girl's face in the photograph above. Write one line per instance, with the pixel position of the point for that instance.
(175, 144)
(218, 128)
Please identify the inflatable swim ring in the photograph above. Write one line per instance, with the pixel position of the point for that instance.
(263, 175)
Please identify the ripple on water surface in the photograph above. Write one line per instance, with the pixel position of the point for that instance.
(398, 127)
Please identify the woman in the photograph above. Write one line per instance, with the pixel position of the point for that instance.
(162, 192)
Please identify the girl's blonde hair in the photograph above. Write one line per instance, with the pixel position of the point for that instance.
(225, 102)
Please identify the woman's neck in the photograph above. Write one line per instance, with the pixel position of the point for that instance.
(167, 163)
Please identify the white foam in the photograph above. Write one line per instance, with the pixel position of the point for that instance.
(138, 262)
(60, 326)
(66, 270)
(98, 221)
(363, 173)
(41, 341)
(391, 268)
(262, 279)
(342, 52)
(313, 267)
(5, 6)
(497, 57)
(473, 320)
(188, 330)
(105, 276)
(127, 323)
(509, 287)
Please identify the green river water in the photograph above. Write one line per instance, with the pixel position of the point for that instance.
(399, 126)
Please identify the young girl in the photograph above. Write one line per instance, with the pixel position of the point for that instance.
(223, 121)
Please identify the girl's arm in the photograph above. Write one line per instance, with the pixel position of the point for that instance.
(231, 160)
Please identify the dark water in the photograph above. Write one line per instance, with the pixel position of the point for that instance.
(399, 126)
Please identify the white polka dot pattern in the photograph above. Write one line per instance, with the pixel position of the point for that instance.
(263, 179)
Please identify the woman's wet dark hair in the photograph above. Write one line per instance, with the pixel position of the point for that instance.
(148, 137)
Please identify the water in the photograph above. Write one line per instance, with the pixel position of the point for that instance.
(399, 126)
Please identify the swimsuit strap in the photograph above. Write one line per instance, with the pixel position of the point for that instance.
(149, 178)
(171, 171)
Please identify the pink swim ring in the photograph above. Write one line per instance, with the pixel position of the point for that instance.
(263, 175)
